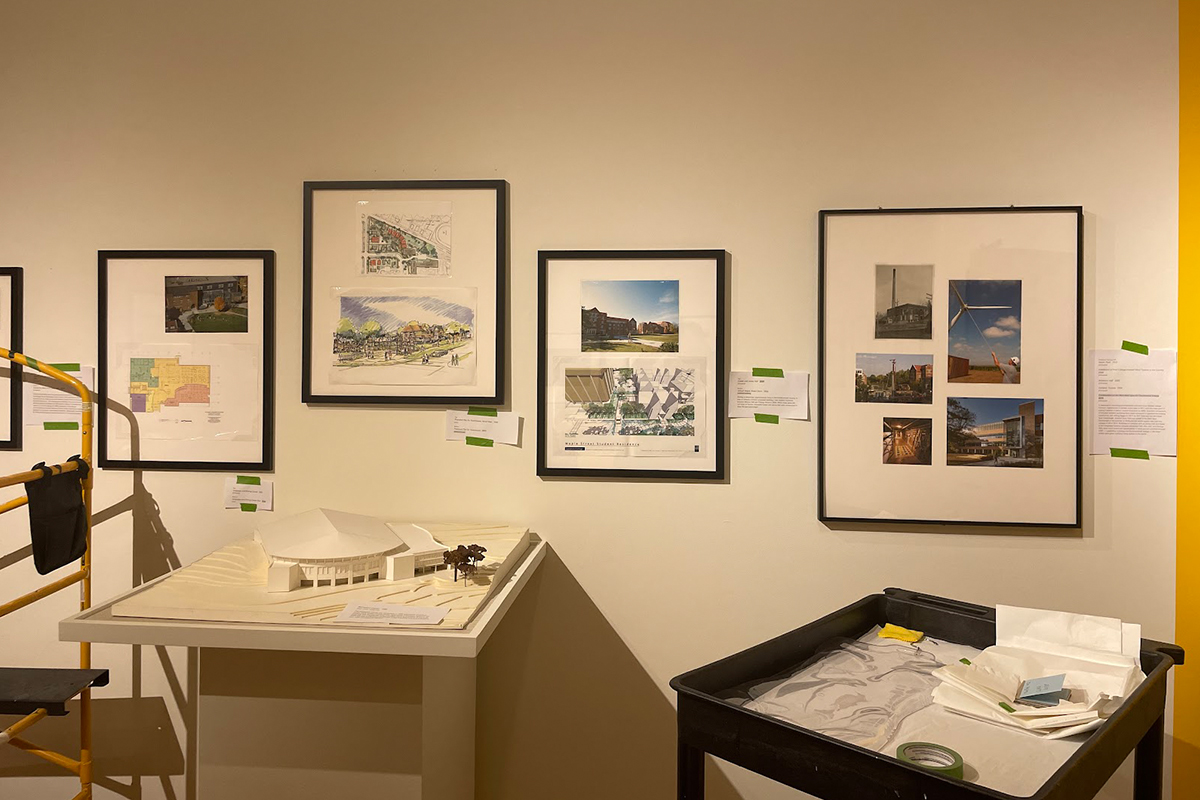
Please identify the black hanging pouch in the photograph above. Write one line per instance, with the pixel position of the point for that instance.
(57, 518)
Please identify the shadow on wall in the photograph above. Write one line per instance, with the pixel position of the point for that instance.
(134, 736)
(565, 709)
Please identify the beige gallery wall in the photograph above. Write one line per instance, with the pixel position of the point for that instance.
(618, 125)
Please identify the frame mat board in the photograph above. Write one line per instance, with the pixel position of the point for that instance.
(496, 393)
(716, 393)
(1067, 506)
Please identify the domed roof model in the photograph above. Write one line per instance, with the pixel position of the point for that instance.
(324, 535)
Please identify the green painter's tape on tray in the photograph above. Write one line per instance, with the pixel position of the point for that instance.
(478, 441)
(1007, 708)
(66, 367)
(60, 426)
(1134, 347)
(476, 411)
(249, 507)
(1124, 452)
(773, 419)
(933, 757)
(249, 480)
(764, 372)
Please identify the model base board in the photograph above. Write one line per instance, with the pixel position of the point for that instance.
(230, 585)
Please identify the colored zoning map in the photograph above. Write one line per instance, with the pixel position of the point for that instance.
(158, 382)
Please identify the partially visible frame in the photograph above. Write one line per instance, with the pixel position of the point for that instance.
(1001, 331)
(187, 359)
(11, 327)
(631, 360)
(404, 292)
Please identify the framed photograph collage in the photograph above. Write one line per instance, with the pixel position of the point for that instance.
(187, 355)
(404, 286)
(631, 364)
(950, 366)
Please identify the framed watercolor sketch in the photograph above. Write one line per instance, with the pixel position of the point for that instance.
(631, 364)
(187, 359)
(404, 289)
(949, 361)
(10, 373)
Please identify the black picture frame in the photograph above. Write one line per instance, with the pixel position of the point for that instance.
(16, 276)
(720, 259)
(495, 397)
(267, 359)
(822, 407)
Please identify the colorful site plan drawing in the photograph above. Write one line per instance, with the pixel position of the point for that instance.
(158, 382)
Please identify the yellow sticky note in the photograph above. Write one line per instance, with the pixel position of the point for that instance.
(891, 631)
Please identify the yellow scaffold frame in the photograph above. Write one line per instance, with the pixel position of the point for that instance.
(83, 576)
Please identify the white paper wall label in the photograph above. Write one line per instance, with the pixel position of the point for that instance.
(770, 392)
(502, 428)
(53, 405)
(391, 613)
(249, 493)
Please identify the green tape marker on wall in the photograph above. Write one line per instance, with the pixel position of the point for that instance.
(1134, 347)
(60, 426)
(478, 441)
(249, 480)
(772, 419)
(66, 367)
(249, 507)
(476, 411)
(764, 372)
(1124, 452)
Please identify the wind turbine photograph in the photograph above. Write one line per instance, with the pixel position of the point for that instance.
(984, 334)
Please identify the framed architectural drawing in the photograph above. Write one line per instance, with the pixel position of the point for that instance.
(404, 290)
(10, 373)
(631, 364)
(949, 361)
(187, 359)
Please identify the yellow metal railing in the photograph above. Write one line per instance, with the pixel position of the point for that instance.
(82, 576)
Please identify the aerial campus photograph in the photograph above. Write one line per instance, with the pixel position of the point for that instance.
(629, 316)
(206, 304)
(907, 441)
(985, 332)
(904, 301)
(994, 432)
(630, 401)
(893, 378)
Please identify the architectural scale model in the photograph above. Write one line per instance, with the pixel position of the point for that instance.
(307, 567)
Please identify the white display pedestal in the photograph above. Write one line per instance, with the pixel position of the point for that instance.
(297, 712)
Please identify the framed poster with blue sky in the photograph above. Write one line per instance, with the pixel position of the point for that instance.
(631, 364)
(949, 365)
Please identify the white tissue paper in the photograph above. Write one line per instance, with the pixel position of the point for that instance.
(1098, 655)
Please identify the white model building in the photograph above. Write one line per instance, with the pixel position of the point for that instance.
(333, 548)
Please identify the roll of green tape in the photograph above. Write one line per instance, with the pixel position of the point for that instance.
(932, 757)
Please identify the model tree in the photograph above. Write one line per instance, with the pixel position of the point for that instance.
(464, 559)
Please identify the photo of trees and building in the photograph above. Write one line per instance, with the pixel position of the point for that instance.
(994, 432)
(629, 317)
(893, 378)
(206, 303)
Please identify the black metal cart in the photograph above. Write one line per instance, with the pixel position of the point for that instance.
(835, 770)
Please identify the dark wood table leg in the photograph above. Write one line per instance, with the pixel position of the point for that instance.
(691, 773)
(1148, 764)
